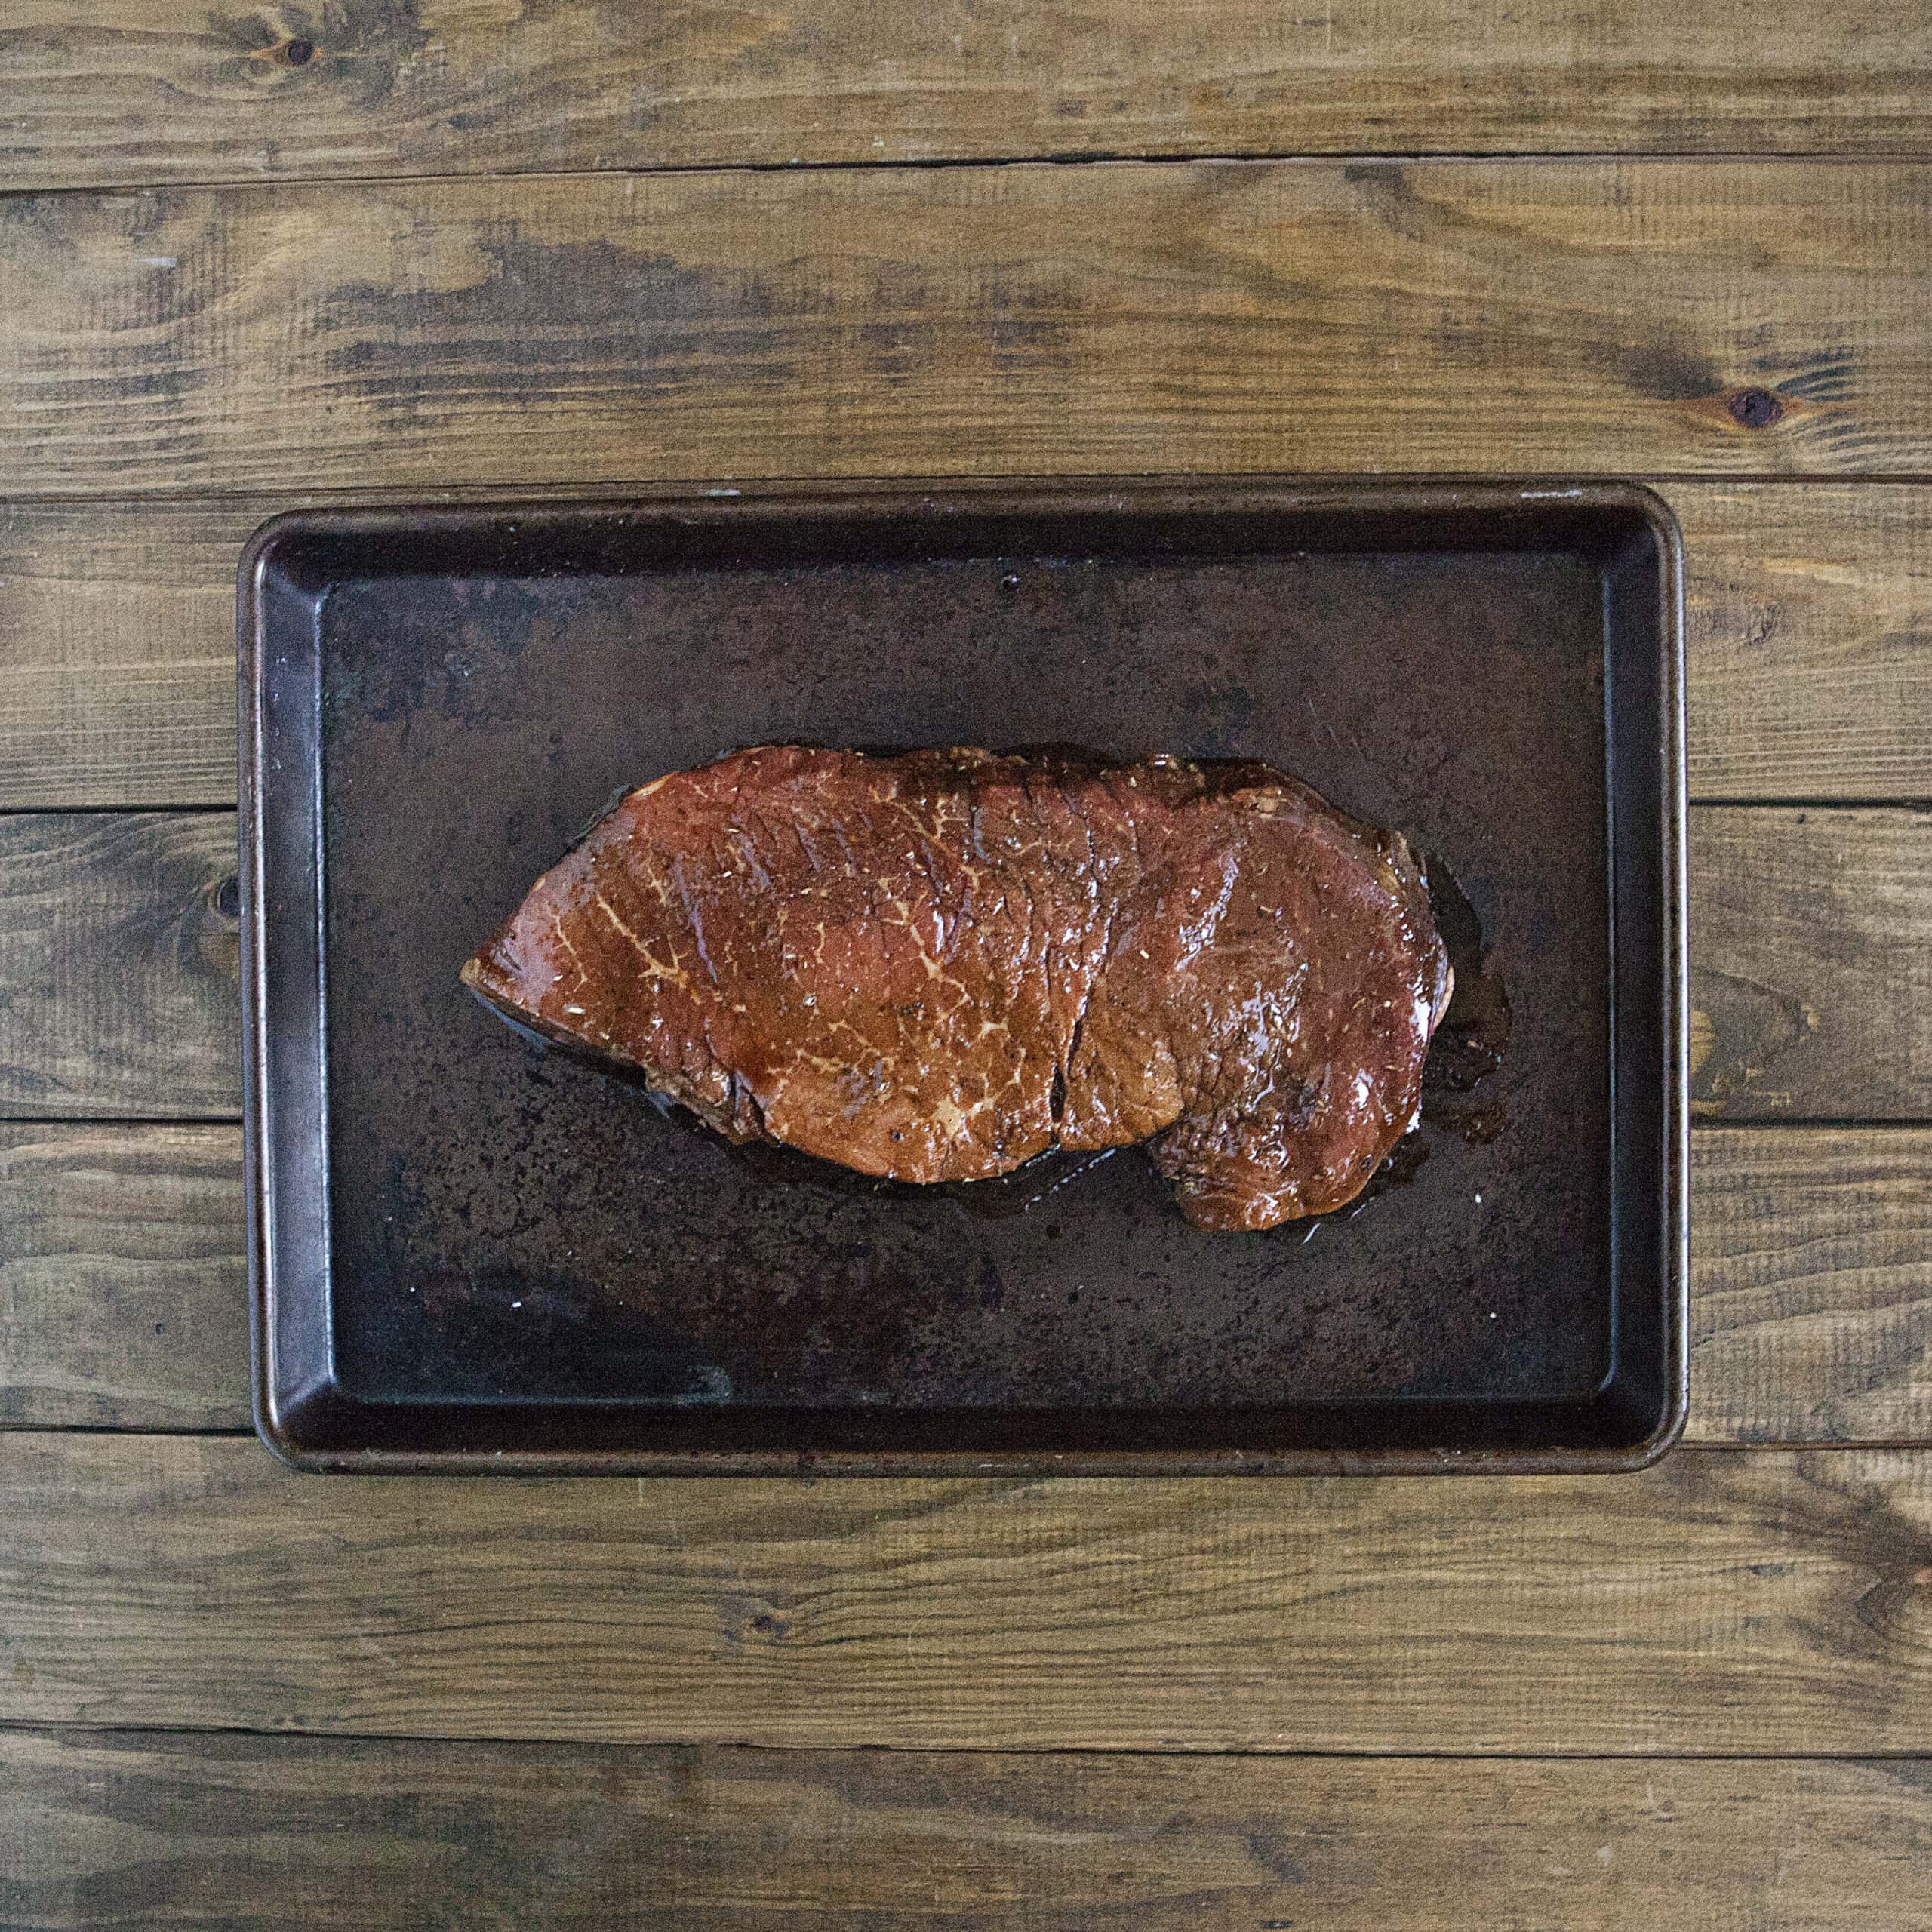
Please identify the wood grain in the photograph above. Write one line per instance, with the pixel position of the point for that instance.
(123, 1290)
(1808, 615)
(123, 1278)
(1811, 964)
(1728, 1601)
(1811, 956)
(238, 1832)
(1811, 1298)
(1809, 609)
(134, 91)
(119, 965)
(1029, 320)
(117, 670)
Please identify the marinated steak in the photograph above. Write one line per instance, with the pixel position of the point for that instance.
(935, 967)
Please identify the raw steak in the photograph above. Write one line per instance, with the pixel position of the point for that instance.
(935, 967)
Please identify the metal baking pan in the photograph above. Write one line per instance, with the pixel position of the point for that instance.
(470, 1254)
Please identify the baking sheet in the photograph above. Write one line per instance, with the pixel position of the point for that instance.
(472, 1252)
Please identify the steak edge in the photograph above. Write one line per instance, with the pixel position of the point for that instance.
(936, 966)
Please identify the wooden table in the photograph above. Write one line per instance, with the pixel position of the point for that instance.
(292, 253)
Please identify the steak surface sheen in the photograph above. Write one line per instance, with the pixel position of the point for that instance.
(935, 967)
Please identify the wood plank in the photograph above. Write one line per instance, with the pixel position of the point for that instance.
(133, 92)
(1811, 1284)
(1029, 320)
(1808, 615)
(117, 675)
(1726, 1602)
(124, 1288)
(123, 1283)
(123, 1278)
(1811, 963)
(1809, 607)
(233, 1831)
(1811, 948)
(119, 964)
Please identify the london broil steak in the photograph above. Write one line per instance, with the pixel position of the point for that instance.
(935, 967)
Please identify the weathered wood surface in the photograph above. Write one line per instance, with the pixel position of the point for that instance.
(1811, 1284)
(1809, 607)
(123, 1283)
(1808, 614)
(1811, 964)
(1700, 323)
(1811, 956)
(234, 1833)
(137, 91)
(1728, 1601)
(123, 1278)
(117, 654)
(119, 965)
(1354, 317)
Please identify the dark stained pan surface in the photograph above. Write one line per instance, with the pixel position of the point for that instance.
(470, 1252)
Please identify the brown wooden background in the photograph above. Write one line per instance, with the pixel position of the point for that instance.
(286, 253)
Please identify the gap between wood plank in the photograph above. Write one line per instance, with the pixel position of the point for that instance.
(624, 492)
(173, 806)
(1780, 1444)
(945, 164)
(429, 1741)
